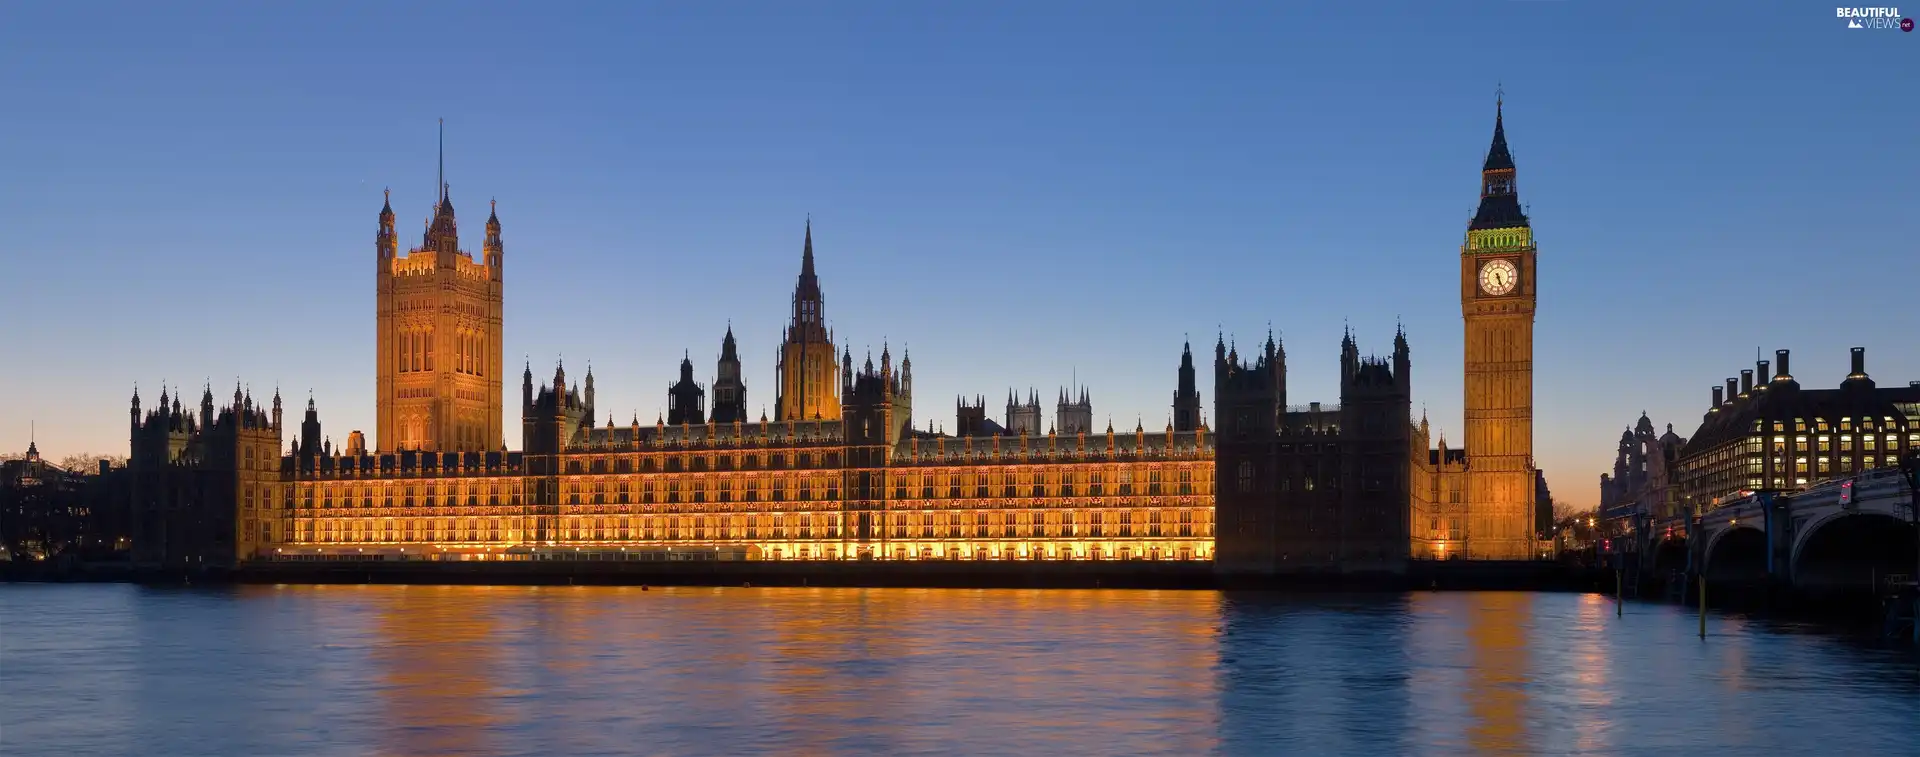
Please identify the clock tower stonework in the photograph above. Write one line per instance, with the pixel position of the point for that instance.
(1497, 297)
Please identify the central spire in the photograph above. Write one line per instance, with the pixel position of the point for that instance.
(809, 282)
(808, 389)
(809, 304)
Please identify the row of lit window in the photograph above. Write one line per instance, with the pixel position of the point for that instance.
(700, 528)
(1820, 424)
(1870, 442)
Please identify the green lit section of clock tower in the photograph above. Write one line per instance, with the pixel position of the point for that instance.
(1497, 296)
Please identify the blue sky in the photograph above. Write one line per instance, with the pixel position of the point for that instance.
(1020, 192)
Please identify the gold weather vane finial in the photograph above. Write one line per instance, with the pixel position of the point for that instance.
(1499, 94)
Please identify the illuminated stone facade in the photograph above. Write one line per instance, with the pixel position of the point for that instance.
(1497, 296)
(439, 339)
(842, 472)
(852, 480)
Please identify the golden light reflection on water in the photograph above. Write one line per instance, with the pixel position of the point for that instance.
(1589, 664)
(463, 670)
(438, 663)
(567, 670)
(1498, 672)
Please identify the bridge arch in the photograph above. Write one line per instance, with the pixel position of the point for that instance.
(1736, 554)
(1669, 554)
(1851, 551)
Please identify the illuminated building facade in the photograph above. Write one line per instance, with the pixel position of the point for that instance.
(1497, 297)
(1764, 432)
(841, 472)
(439, 339)
(851, 480)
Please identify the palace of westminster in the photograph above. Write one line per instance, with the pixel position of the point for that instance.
(842, 470)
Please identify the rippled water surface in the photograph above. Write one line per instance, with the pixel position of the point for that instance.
(120, 670)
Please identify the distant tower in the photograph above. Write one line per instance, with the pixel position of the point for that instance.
(970, 416)
(439, 337)
(1186, 399)
(686, 400)
(1024, 417)
(809, 380)
(729, 392)
(1497, 304)
(1074, 412)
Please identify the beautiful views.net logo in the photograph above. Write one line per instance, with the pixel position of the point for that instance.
(1874, 18)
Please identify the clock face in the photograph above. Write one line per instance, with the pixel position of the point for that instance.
(1498, 277)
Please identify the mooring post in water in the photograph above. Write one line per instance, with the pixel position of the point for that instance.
(1703, 605)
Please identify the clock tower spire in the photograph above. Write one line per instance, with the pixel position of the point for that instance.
(1497, 298)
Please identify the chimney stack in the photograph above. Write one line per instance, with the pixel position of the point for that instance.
(1746, 383)
(1716, 397)
(1762, 374)
(1733, 389)
(1780, 357)
(1859, 361)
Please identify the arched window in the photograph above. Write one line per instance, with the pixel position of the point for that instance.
(1246, 476)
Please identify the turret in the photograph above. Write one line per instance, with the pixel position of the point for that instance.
(495, 250)
(526, 389)
(443, 234)
(1220, 357)
(1280, 373)
(588, 406)
(1186, 398)
(1402, 358)
(686, 400)
(1349, 360)
(309, 435)
(386, 243)
(206, 406)
(729, 392)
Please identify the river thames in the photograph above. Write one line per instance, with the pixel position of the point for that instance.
(395, 670)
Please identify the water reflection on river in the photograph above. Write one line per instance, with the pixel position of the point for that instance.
(465, 670)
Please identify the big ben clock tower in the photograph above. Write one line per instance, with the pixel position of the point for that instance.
(1497, 298)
